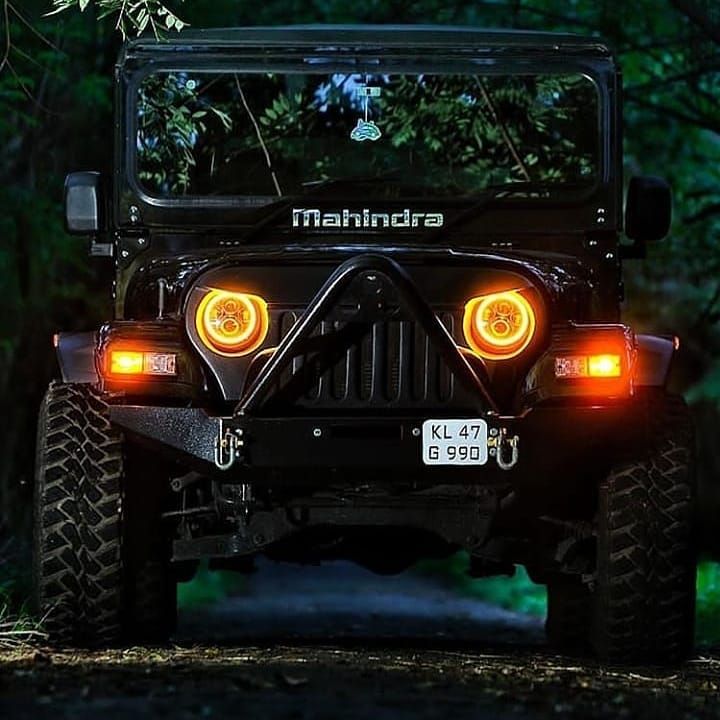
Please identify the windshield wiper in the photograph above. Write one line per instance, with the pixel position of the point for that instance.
(314, 188)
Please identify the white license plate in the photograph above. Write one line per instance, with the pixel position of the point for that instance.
(455, 442)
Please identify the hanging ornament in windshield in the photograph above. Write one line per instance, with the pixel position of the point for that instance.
(366, 129)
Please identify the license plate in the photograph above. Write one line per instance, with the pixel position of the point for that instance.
(455, 442)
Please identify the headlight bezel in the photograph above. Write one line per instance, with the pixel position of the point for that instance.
(252, 330)
(487, 315)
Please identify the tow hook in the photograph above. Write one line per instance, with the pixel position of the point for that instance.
(228, 446)
(500, 444)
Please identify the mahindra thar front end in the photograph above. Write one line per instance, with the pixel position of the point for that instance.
(367, 305)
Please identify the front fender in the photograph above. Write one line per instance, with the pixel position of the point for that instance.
(654, 360)
(76, 357)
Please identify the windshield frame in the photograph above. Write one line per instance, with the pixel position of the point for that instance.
(161, 210)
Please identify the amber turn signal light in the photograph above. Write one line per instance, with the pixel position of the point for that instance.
(604, 365)
(232, 323)
(139, 362)
(126, 362)
(499, 326)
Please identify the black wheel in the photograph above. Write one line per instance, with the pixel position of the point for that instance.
(644, 599)
(90, 582)
(640, 606)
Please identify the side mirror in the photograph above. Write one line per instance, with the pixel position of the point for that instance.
(648, 210)
(84, 203)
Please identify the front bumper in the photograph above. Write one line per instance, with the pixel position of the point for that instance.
(550, 439)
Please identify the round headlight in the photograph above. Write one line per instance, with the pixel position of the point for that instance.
(499, 326)
(231, 323)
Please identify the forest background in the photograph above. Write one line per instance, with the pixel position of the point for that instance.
(56, 75)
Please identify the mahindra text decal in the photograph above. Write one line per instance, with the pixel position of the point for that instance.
(364, 219)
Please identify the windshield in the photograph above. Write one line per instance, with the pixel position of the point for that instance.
(399, 135)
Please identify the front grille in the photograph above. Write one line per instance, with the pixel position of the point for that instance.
(393, 365)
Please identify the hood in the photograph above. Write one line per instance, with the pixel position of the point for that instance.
(291, 276)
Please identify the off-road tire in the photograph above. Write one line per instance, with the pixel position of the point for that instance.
(640, 606)
(78, 568)
(644, 593)
(89, 587)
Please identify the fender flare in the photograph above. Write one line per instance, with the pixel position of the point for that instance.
(76, 357)
(654, 360)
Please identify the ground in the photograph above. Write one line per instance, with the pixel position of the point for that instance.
(337, 641)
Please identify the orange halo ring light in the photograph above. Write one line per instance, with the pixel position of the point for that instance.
(232, 323)
(499, 326)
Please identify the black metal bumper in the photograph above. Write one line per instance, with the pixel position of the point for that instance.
(253, 437)
(551, 439)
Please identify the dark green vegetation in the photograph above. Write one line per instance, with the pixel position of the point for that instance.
(55, 102)
(519, 593)
(454, 134)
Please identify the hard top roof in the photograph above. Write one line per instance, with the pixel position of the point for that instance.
(371, 36)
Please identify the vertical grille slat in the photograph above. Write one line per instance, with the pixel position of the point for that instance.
(365, 376)
(393, 365)
(445, 377)
(419, 362)
(315, 388)
(393, 361)
(405, 375)
(287, 320)
(379, 362)
(353, 375)
(340, 372)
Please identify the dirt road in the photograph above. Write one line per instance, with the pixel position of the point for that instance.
(336, 642)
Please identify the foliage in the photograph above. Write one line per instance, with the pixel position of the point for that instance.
(17, 629)
(171, 117)
(454, 133)
(209, 586)
(520, 594)
(133, 17)
(17, 626)
(708, 613)
(517, 593)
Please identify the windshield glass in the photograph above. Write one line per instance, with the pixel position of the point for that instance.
(400, 135)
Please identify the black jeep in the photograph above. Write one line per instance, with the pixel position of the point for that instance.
(367, 306)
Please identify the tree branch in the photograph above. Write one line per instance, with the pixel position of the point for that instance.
(258, 133)
(503, 130)
(8, 39)
(659, 82)
(699, 121)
